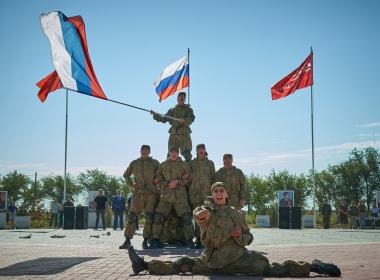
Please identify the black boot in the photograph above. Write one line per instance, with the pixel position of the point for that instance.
(156, 244)
(145, 244)
(126, 243)
(329, 269)
(138, 263)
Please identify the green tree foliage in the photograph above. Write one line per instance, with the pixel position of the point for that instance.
(53, 186)
(283, 180)
(95, 179)
(260, 194)
(15, 184)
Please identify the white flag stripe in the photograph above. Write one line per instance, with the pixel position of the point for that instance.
(51, 26)
(171, 69)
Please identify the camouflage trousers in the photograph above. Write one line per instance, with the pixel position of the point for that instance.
(183, 142)
(141, 202)
(184, 213)
(251, 263)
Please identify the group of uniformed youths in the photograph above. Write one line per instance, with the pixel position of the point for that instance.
(192, 189)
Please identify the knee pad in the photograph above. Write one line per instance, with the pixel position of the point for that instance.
(158, 218)
(187, 218)
(149, 217)
(132, 218)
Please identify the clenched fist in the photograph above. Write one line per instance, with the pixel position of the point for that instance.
(203, 215)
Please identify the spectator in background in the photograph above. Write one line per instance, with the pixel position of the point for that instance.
(326, 213)
(12, 210)
(54, 212)
(68, 201)
(374, 214)
(101, 205)
(60, 215)
(118, 207)
(353, 215)
(362, 211)
(343, 214)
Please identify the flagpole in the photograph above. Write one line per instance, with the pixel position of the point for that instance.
(65, 176)
(312, 147)
(188, 61)
(128, 105)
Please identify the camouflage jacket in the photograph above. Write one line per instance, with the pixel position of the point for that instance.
(144, 171)
(179, 111)
(174, 170)
(235, 183)
(203, 175)
(220, 248)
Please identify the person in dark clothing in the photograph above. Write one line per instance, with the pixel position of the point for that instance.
(101, 206)
(68, 201)
(326, 213)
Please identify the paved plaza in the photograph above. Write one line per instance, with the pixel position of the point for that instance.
(89, 254)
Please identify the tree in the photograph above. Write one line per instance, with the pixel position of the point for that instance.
(325, 186)
(283, 180)
(15, 184)
(95, 179)
(53, 187)
(260, 194)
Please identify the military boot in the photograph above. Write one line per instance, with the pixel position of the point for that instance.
(126, 243)
(329, 269)
(145, 244)
(138, 263)
(156, 244)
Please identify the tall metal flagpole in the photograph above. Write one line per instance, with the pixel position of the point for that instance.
(65, 176)
(312, 146)
(188, 88)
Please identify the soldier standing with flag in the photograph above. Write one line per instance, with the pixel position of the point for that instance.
(180, 130)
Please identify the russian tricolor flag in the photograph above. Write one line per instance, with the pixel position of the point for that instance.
(73, 68)
(174, 78)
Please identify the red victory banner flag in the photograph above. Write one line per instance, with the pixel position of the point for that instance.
(300, 78)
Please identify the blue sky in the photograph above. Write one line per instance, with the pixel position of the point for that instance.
(239, 50)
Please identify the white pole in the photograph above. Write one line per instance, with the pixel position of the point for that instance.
(312, 148)
(65, 174)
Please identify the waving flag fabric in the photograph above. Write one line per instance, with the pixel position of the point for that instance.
(174, 78)
(300, 78)
(70, 55)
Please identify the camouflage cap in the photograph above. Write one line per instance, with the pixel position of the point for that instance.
(218, 184)
(201, 146)
(227, 156)
(174, 149)
(143, 147)
(181, 93)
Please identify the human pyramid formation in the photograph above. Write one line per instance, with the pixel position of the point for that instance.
(192, 188)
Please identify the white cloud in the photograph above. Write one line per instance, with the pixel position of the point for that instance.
(375, 124)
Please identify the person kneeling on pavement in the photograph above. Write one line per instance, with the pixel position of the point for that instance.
(224, 235)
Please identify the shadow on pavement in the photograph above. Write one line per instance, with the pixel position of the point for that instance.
(43, 266)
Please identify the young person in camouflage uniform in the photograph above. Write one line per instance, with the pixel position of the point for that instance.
(203, 175)
(180, 130)
(173, 176)
(145, 195)
(224, 236)
(235, 181)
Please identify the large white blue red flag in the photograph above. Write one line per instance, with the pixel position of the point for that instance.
(71, 60)
(174, 78)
